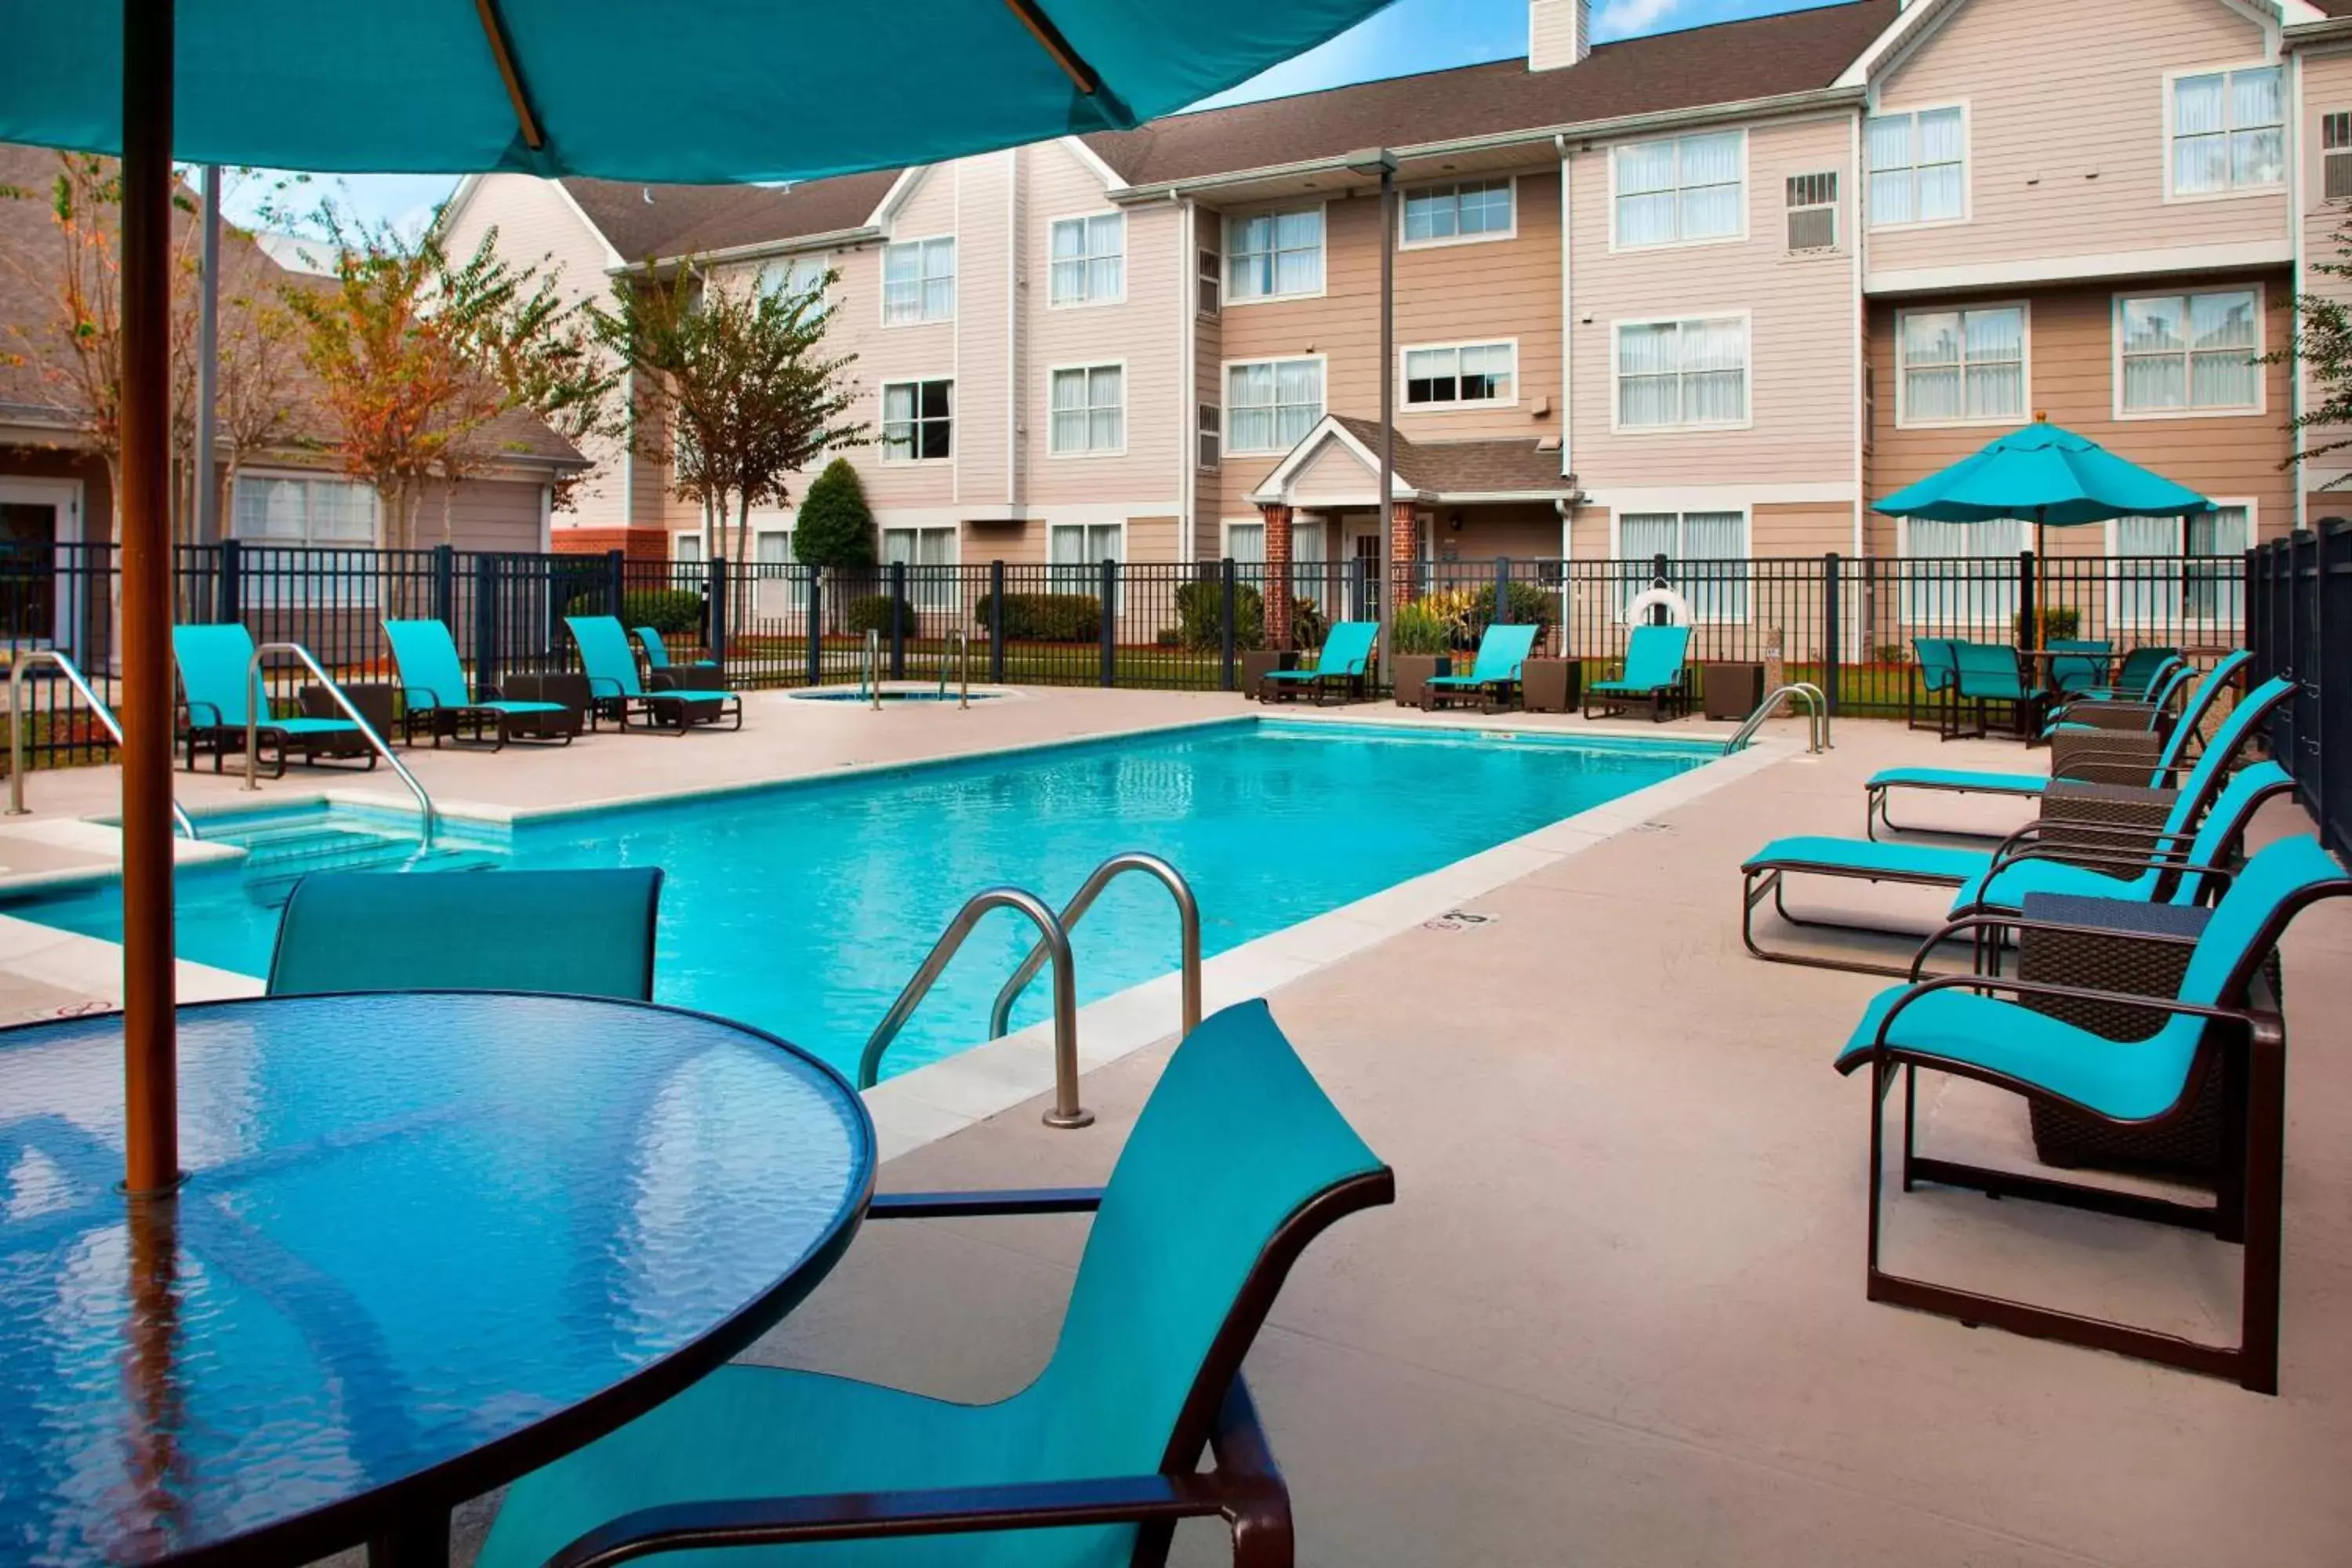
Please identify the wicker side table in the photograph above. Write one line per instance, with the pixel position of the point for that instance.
(2105, 756)
(2101, 806)
(2128, 718)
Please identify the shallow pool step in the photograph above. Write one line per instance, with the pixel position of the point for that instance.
(276, 857)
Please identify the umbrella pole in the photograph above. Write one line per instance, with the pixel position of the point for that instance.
(151, 1072)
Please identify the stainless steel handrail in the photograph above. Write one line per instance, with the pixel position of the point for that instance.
(961, 638)
(1066, 1111)
(1816, 711)
(1188, 917)
(25, 662)
(255, 697)
(870, 679)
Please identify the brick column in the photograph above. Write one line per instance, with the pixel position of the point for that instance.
(1405, 550)
(1276, 586)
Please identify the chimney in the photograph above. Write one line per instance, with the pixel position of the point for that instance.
(1559, 33)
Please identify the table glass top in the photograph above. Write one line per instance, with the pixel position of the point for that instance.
(412, 1225)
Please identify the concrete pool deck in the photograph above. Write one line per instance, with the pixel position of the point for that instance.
(1616, 1316)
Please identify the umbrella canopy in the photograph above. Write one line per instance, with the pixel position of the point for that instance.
(642, 90)
(2046, 476)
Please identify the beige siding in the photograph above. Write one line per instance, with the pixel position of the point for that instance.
(1806, 528)
(1801, 313)
(921, 351)
(1522, 531)
(986, 271)
(483, 514)
(2067, 117)
(2327, 90)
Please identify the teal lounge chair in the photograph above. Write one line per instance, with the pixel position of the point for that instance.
(2222, 1021)
(662, 675)
(580, 934)
(1345, 661)
(1653, 673)
(1495, 678)
(1988, 673)
(612, 681)
(2184, 862)
(1237, 1163)
(435, 694)
(2028, 785)
(222, 692)
(1932, 678)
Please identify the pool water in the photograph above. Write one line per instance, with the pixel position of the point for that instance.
(804, 907)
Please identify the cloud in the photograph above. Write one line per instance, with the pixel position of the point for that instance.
(1620, 18)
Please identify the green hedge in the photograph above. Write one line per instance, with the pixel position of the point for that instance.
(1043, 617)
(673, 611)
(870, 613)
(1201, 617)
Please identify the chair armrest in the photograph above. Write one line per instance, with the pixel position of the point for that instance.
(214, 708)
(408, 694)
(956, 1205)
(610, 680)
(2127, 760)
(2258, 1021)
(2131, 835)
(2150, 860)
(1993, 919)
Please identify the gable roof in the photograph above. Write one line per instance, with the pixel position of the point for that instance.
(1513, 466)
(644, 222)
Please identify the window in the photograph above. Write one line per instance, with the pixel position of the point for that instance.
(1673, 193)
(687, 548)
(1209, 283)
(1707, 556)
(1245, 543)
(2229, 132)
(2336, 148)
(297, 513)
(792, 277)
(917, 420)
(1090, 410)
(1812, 211)
(1453, 377)
(780, 582)
(1472, 209)
(1918, 166)
(1271, 406)
(1671, 374)
(1963, 577)
(1212, 424)
(2190, 352)
(1274, 255)
(2183, 569)
(919, 281)
(1961, 366)
(1090, 261)
(929, 557)
(1075, 552)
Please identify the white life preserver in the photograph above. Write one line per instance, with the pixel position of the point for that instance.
(1678, 610)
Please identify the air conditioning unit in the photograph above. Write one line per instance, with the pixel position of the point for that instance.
(1212, 282)
(1211, 428)
(1812, 211)
(2336, 144)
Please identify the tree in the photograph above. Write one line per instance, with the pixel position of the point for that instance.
(2321, 345)
(835, 527)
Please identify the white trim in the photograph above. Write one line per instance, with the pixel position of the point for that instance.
(1188, 385)
(1747, 191)
(1458, 405)
(2298, 127)
(2225, 258)
(613, 257)
(1088, 303)
(2260, 405)
(1270, 492)
(1748, 372)
(1225, 300)
(445, 214)
(1404, 194)
(2232, 193)
(1225, 531)
(1013, 237)
(1896, 40)
(1118, 523)
(1722, 498)
(1123, 406)
(1226, 452)
(2024, 308)
(1076, 147)
(881, 419)
(896, 197)
(1566, 321)
(670, 541)
(1968, 164)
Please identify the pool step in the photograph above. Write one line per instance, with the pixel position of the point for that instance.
(277, 857)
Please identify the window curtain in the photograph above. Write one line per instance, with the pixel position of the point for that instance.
(2201, 143)
(2181, 570)
(1106, 408)
(2258, 138)
(1888, 142)
(1942, 173)
(1931, 366)
(1715, 366)
(1645, 193)
(1299, 389)
(2221, 369)
(2155, 370)
(1298, 246)
(1961, 577)
(1069, 274)
(1996, 355)
(1709, 178)
(1069, 411)
(1648, 388)
(1249, 404)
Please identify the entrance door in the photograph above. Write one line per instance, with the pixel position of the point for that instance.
(1368, 544)
(36, 577)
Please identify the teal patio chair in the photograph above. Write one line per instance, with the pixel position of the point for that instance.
(1345, 660)
(612, 681)
(663, 674)
(1989, 673)
(1932, 678)
(2084, 667)
(2222, 1021)
(580, 934)
(2145, 712)
(1653, 673)
(1237, 1162)
(434, 693)
(1494, 679)
(2142, 670)
(221, 693)
(2029, 785)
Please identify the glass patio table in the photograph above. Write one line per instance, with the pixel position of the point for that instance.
(424, 1243)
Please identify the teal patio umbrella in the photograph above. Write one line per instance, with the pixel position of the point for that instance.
(2049, 476)
(629, 90)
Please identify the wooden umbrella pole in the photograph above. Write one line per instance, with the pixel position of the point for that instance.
(151, 1069)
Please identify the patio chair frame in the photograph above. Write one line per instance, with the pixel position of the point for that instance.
(1942, 695)
(1283, 686)
(1675, 693)
(607, 694)
(270, 741)
(1245, 1488)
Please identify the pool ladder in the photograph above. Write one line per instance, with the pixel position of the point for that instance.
(17, 716)
(376, 742)
(1053, 947)
(1817, 716)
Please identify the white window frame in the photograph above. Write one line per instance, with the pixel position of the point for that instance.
(1125, 402)
(1903, 420)
(1086, 300)
(1746, 191)
(1680, 509)
(1616, 402)
(1055, 583)
(2234, 192)
(1510, 182)
(881, 423)
(2259, 407)
(1225, 526)
(1457, 404)
(1225, 257)
(292, 585)
(2183, 621)
(791, 586)
(701, 556)
(1967, 106)
(1225, 385)
(923, 595)
(882, 282)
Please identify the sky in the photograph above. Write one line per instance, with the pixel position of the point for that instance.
(1410, 36)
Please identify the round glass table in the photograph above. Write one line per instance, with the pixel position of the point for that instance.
(426, 1242)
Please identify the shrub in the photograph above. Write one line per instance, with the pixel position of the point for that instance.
(1201, 616)
(1308, 625)
(835, 526)
(1044, 617)
(673, 611)
(2060, 623)
(1454, 608)
(869, 613)
(1418, 628)
(1530, 604)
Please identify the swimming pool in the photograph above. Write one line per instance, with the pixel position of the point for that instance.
(803, 906)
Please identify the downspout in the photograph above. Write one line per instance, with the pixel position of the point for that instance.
(1013, 379)
(2298, 223)
(1567, 335)
(1188, 338)
(1861, 336)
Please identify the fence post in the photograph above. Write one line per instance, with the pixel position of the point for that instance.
(1228, 605)
(2027, 621)
(1109, 602)
(229, 589)
(898, 620)
(815, 650)
(1832, 627)
(445, 584)
(486, 620)
(615, 567)
(996, 623)
(717, 640)
(1502, 615)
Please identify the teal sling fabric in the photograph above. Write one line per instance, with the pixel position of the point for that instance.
(215, 676)
(1654, 660)
(1501, 654)
(432, 676)
(1346, 651)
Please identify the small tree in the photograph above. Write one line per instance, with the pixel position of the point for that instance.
(2321, 345)
(835, 527)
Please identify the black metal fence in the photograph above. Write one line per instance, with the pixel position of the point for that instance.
(1848, 625)
(2298, 595)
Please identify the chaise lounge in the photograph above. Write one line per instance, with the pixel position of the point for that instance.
(1494, 679)
(612, 681)
(1345, 661)
(225, 698)
(435, 694)
(1653, 674)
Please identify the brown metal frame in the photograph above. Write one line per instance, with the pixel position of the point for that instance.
(1244, 1489)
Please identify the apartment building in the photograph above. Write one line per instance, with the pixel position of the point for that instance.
(1705, 293)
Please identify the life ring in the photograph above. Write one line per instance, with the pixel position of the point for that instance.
(1678, 610)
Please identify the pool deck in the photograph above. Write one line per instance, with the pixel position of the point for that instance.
(1616, 1316)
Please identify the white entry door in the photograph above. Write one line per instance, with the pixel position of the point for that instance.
(1368, 542)
(39, 583)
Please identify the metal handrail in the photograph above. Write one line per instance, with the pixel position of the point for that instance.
(255, 697)
(1817, 711)
(1188, 917)
(869, 678)
(961, 638)
(25, 662)
(1066, 1111)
